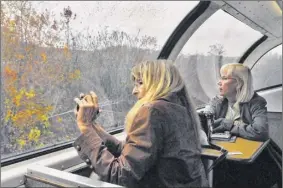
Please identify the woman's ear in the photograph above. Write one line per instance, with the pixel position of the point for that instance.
(240, 85)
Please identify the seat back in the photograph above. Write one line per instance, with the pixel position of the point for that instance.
(275, 128)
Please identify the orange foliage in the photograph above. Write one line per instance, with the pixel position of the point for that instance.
(75, 75)
(20, 56)
(9, 73)
(28, 70)
(66, 51)
(44, 57)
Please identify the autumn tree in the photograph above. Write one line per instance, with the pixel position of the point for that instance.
(46, 64)
(31, 64)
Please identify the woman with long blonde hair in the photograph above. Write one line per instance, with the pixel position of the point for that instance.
(162, 148)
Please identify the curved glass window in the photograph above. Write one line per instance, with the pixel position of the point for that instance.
(219, 40)
(268, 70)
(52, 51)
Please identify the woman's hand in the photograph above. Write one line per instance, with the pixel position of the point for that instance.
(87, 111)
(222, 125)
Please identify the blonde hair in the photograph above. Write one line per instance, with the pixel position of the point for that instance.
(243, 76)
(161, 78)
(156, 80)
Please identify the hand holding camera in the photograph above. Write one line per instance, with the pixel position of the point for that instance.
(87, 110)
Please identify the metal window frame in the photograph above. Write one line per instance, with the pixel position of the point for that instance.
(44, 151)
(179, 31)
(264, 47)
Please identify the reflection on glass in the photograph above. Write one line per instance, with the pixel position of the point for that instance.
(268, 70)
(52, 51)
(219, 40)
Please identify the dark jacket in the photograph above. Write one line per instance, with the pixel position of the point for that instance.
(263, 172)
(252, 113)
(161, 150)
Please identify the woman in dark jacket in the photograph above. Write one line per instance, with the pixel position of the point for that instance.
(162, 148)
(243, 113)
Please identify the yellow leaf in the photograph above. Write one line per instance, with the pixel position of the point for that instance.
(30, 94)
(67, 54)
(40, 145)
(43, 118)
(66, 49)
(34, 134)
(44, 57)
(17, 99)
(20, 56)
(21, 142)
(7, 101)
(77, 73)
(10, 73)
(12, 25)
(22, 91)
(46, 124)
(59, 119)
(49, 108)
(8, 115)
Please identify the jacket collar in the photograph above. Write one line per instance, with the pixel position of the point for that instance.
(171, 97)
(225, 100)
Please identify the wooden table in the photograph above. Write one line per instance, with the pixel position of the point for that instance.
(250, 149)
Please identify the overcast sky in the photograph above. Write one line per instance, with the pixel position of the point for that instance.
(158, 19)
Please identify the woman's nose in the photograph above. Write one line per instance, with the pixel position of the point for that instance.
(134, 92)
(219, 82)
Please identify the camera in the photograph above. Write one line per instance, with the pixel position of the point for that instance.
(207, 119)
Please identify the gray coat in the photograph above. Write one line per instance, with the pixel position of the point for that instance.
(252, 113)
(161, 150)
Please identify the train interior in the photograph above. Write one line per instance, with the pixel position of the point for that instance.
(258, 44)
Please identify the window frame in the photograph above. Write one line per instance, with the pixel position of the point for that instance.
(265, 54)
(256, 62)
(43, 151)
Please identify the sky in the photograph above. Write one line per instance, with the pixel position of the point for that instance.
(158, 19)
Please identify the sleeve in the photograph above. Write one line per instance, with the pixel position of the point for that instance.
(137, 157)
(211, 106)
(258, 129)
(113, 144)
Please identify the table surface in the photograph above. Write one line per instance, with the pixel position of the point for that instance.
(250, 149)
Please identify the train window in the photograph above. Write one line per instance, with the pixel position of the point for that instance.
(53, 50)
(268, 70)
(220, 39)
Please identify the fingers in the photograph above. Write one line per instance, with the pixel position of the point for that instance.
(82, 95)
(87, 98)
(91, 99)
(216, 130)
(218, 121)
(78, 101)
(94, 96)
